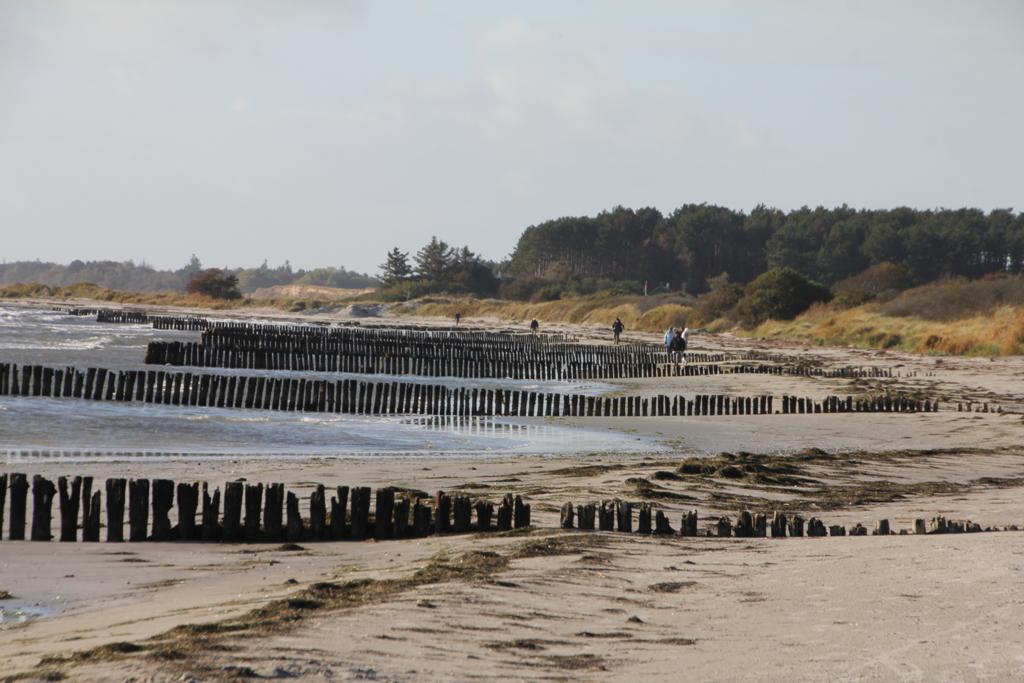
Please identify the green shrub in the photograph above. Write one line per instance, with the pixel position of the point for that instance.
(779, 294)
(881, 281)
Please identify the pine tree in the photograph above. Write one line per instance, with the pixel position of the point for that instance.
(434, 261)
(396, 268)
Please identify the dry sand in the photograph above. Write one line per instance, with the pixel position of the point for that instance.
(552, 605)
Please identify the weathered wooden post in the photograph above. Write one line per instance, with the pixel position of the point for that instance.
(43, 491)
(188, 502)
(318, 513)
(400, 517)
(253, 501)
(422, 524)
(360, 512)
(744, 525)
(882, 528)
(606, 516)
(688, 524)
(643, 519)
(567, 516)
(138, 509)
(920, 526)
(520, 513)
(19, 498)
(661, 524)
(233, 492)
(294, 528)
(778, 524)
(442, 512)
(462, 514)
(796, 526)
(115, 509)
(339, 503)
(211, 510)
(91, 526)
(383, 518)
(69, 507)
(3, 502)
(724, 528)
(624, 516)
(505, 513)
(163, 499)
(484, 512)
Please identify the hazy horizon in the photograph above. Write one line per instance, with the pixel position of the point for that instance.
(326, 133)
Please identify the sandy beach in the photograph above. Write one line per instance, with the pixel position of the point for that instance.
(550, 604)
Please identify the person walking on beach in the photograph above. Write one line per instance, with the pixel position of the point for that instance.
(534, 326)
(677, 347)
(458, 317)
(669, 334)
(617, 328)
(686, 342)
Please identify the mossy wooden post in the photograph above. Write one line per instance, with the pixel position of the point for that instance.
(43, 491)
(115, 509)
(163, 500)
(624, 516)
(643, 519)
(188, 502)
(19, 499)
(138, 509)
(211, 511)
(360, 512)
(339, 503)
(253, 503)
(505, 513)
(442, 512)
(318, 513)
(294, 529)
(384, 509)
(69, 502)
(233, 492)
(91, 526)
(400, 517)
(567, 516)
(462, 514)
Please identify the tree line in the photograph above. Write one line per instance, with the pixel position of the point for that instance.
(698, 242)
(129, 276)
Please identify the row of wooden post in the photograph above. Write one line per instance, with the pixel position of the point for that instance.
(361, 397)
(251, 512)
(617, 515)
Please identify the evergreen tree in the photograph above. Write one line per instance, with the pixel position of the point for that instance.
(434, 260)
(396, 268)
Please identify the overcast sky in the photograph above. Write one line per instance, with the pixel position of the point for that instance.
(327, 131)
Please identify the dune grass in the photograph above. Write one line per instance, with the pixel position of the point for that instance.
(998, 333)
(646, 314)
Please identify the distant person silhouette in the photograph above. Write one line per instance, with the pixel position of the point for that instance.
(617, 328)
(534, 326)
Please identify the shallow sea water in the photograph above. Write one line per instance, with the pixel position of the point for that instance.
(36, 429)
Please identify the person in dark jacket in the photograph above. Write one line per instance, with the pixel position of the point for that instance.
(617, 328)
(678, 347)
(534, 326)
